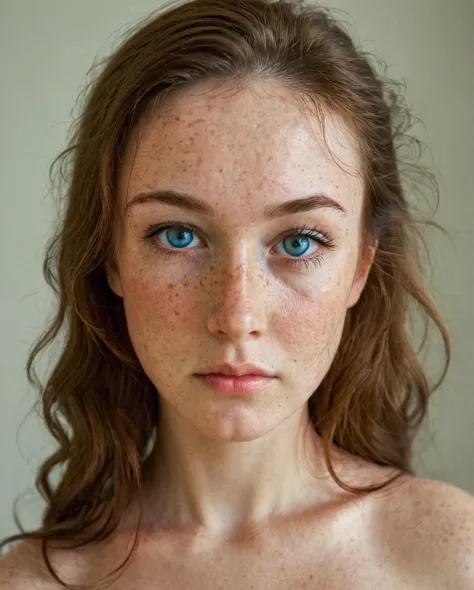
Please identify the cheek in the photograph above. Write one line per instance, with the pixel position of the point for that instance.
(160, 314)
(311, 324)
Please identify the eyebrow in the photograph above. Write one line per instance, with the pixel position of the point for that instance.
(197, 205)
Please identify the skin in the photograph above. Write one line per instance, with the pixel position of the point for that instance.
(234, 295)
(236, 491)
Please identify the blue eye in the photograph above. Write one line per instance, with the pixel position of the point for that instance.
(178, 236)
(297, 245)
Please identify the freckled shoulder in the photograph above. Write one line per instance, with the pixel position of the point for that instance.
(20, 568)
(429, 530)
(23, 568)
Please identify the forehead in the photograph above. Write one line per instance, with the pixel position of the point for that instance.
(253, 145)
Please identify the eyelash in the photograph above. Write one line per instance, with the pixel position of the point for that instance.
(304, 231)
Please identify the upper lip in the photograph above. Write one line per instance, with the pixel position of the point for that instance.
(237, 370)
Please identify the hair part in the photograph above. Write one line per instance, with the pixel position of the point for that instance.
(373, 398)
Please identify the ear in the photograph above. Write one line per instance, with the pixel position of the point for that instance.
(363, 268)
(113, 279)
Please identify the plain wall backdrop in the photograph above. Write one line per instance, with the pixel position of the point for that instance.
(46, 49)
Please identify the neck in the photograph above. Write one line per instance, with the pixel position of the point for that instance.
(192, 480)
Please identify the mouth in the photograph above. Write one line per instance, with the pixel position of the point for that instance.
(229, 370)
(234, 384)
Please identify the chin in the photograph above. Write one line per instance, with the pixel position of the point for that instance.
(239, 425)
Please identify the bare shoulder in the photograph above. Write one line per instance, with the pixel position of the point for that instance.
(24, 568)
(20, 568)
(429, 527)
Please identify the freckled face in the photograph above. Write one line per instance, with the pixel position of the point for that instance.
(238, 286)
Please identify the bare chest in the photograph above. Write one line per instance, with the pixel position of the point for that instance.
(277, 574)
(300, 559)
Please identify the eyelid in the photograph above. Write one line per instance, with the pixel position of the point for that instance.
(324, 241)
(319, 227)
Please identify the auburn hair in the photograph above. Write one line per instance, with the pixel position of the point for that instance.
(376, 392)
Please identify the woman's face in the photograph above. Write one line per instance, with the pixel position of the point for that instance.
(238, 285)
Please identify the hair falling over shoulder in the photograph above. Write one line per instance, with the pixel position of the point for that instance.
(375, 395)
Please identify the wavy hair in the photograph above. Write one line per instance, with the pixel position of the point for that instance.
(376, 392)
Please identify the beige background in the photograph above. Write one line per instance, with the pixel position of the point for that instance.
(46, 48)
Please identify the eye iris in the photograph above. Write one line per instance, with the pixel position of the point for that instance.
(180, 236)
(295, 242)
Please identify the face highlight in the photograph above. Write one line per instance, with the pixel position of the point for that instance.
(238, 285)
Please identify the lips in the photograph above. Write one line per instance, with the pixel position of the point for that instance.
(237, 386)
(237, 370)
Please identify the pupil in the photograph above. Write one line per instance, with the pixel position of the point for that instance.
(297, 243)
(179, 235)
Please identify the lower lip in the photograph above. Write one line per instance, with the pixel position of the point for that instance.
(244, 385)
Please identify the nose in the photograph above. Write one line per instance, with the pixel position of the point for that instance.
(237, 301)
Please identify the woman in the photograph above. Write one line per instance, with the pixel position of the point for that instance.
(237, 394)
